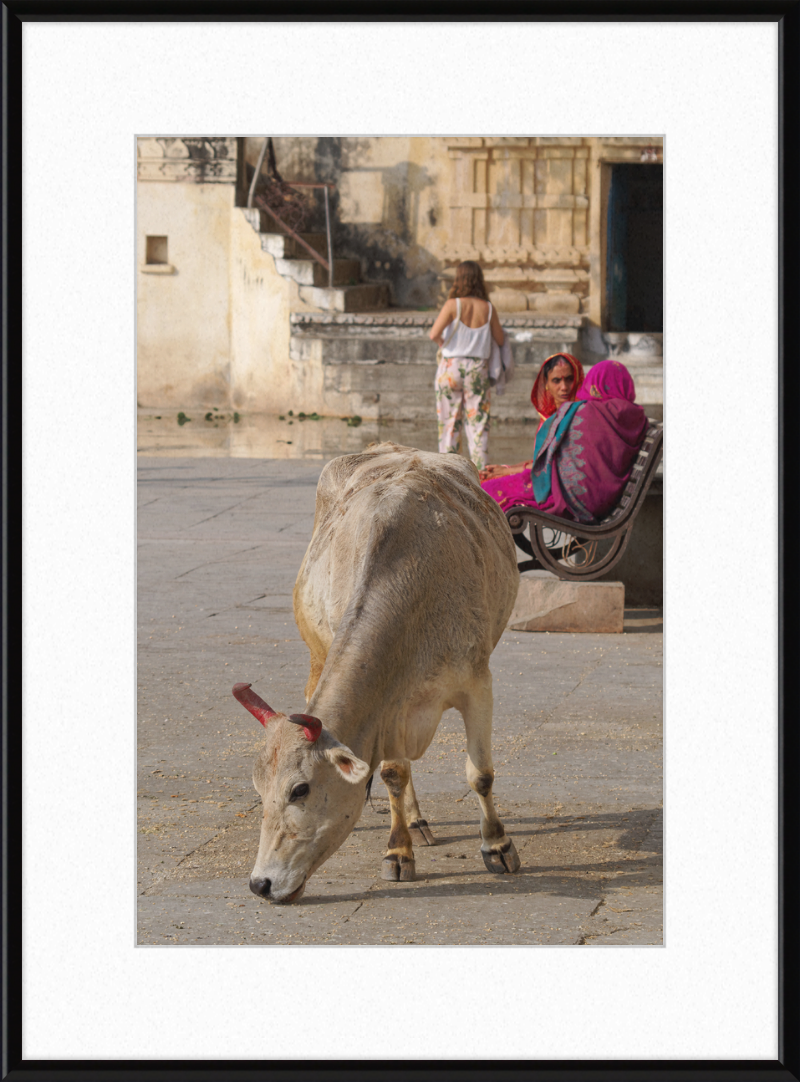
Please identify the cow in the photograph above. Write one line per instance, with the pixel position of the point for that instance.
(403, 593)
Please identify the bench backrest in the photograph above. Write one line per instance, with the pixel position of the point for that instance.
(642, 474)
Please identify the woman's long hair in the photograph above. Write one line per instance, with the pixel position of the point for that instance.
(469, 281)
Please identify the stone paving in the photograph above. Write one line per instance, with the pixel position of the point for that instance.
(577, 750)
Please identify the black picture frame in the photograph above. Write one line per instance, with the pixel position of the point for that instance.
(786, 13)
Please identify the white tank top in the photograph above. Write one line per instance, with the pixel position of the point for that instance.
(461, 341)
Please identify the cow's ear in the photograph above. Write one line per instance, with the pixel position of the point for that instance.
(349, 766)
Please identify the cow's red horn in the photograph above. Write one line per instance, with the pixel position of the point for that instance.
(311, 726)
(254, 703)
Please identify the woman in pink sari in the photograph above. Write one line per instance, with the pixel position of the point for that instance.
(584, 451)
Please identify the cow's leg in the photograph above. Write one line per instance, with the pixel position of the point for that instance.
(498, 851)
(398, 864)
(417, 826)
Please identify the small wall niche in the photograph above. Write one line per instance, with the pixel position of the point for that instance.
(156, 256)
(157, 250)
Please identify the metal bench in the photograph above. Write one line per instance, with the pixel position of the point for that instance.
(588, 552)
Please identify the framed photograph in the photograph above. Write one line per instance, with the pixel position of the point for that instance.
(714, 92)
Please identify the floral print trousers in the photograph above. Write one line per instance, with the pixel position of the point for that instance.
(462, 401)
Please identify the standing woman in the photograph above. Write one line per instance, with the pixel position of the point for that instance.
(464, 329)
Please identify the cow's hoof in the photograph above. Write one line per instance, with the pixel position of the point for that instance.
(421, 833)
(501, 860)
(398, 869)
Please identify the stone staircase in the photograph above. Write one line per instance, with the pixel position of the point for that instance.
(292, 260)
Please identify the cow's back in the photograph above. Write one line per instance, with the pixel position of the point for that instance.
(408, 556)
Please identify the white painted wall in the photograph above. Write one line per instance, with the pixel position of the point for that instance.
(214, 331)
(261, 301)
(184, 317)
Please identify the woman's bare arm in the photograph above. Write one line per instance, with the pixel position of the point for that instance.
(497, 330)
(447, 315)
(498, 470)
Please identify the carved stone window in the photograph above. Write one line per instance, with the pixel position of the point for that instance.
(520, 201)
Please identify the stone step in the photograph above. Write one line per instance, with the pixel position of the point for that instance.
(307, 272)
(282, 246)
(649, 383)
(265, 224)
(547, 603)
(416, 348)
(359, 298)
(278, 243)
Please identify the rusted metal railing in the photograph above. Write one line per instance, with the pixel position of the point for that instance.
(252, 196)
(257, 173)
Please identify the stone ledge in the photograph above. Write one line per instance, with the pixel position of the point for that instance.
(419, 319)
(156, 268)
(547, 603)
(550, 338)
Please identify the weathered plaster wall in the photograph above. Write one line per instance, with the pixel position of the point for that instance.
(529, 209)
(184, 316)
(213, 327)
(261, 301)
(389, 205)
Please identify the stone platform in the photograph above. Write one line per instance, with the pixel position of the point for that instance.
(382, 363)
(547, 603)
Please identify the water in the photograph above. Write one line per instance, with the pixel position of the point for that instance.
(266, 436)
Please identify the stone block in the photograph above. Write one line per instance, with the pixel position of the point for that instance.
(347, 298)
(508, 300)
(554, 304)
(547, 603)
(642, 565)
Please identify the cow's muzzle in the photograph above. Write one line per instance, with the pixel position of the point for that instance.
(262, 888)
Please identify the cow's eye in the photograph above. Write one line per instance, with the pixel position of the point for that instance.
(298, 792)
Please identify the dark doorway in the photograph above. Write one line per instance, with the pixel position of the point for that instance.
(635, 249)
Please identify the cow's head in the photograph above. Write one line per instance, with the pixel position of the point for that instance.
(310, 789)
